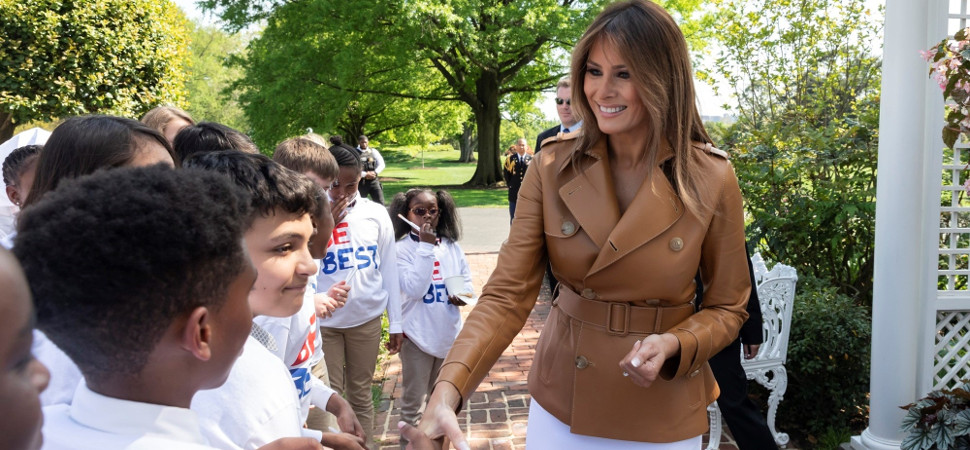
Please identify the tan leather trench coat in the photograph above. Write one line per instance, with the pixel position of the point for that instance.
(622, 277)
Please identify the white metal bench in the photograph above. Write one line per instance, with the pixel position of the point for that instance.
(776, 292)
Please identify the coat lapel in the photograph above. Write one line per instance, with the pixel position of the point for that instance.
(654, 209)
(590, 197)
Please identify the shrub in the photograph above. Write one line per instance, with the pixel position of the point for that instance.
(828, 362)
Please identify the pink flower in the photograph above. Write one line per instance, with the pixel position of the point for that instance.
(926, 55)
(966, 186)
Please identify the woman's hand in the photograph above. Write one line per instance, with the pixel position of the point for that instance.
(427, 234)
(456, 300)
(643, 363)
(439, 419)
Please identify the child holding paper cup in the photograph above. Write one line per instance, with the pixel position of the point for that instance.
(435, 281)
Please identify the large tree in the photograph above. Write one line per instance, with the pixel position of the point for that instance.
(63, 58)
(482, 52)
(210, 76)
(294, 80)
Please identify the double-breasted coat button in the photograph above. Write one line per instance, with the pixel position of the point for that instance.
(676, 244)
(582, 362)
(568, 228)
(588, 293)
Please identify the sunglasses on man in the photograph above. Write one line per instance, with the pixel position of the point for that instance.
(560, 101)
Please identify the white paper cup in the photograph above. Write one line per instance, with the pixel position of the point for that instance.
(455, 285)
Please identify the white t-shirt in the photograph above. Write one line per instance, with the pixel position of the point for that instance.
(430, 322)
(362, 250)
(299, 347)
(65, 375)
(257, 404)
(98, 422)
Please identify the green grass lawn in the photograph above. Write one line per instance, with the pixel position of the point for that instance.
(441, 170)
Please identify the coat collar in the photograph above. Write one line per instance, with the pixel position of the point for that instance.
(591, 199)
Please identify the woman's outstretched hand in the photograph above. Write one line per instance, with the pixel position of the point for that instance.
(644, 361)
(439, 419)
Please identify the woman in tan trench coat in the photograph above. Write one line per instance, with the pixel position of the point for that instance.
(627, 213)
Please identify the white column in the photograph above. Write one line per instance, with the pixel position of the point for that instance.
(899, 274)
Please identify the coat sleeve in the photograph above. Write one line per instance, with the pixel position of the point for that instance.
(727, 285)
(507, 298)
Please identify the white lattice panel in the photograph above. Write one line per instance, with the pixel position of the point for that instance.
(951, 345)
(951, 349)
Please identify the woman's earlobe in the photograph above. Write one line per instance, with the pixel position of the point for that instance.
(197, 336)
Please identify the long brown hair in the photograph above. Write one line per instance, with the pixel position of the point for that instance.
(81, 145)
(656, 52)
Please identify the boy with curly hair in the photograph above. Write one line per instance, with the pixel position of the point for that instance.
(258, 403)
(151, 300)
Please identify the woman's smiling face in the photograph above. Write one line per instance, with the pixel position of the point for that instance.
(612, 93)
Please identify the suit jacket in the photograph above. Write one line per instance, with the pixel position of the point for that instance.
(622, 277)
(546, 135)
(514, 172)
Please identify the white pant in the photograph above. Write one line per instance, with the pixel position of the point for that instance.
(547, 432)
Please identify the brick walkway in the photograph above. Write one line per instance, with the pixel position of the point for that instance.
(497, 413)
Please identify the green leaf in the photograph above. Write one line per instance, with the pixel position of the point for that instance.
(949, 136)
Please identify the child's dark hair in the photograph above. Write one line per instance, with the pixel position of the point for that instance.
(346, 156)
(84, 144)
(211, 137)
(302, 155)
(113, 258)
(18, 161)
(269, 185)
(449, 225)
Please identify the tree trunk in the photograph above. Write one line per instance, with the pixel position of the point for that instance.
(489, 169)
(467, 143)
(6, 127)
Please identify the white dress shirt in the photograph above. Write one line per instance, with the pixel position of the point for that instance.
(94, 421)
(256, 405)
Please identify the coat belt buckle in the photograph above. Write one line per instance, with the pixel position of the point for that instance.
(624, 320)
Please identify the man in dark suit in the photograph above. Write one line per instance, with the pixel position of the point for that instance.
(748, 426)
(514, 172)
(564, 109)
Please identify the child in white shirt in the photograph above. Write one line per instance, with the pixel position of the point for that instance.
(432, 320)
(150, 303)
(362, 253)
(302, 351)
(258, 403)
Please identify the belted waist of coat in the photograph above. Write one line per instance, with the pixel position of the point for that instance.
(621, 318)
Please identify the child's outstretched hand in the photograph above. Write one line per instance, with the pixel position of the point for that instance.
(342, 441)
(346, 418)
(293, 443)
(339, 292)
